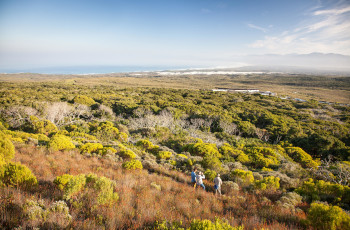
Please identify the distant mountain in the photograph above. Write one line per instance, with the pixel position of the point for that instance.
(311, 62)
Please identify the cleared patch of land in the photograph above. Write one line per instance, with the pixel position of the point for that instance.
(323, 88)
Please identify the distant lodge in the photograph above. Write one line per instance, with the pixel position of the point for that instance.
(269, 93)
(251, 91)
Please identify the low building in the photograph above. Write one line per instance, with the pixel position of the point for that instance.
(268, 93)
(236, 90)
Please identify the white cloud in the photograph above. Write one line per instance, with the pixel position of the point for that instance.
(326, 31)
(258, 27)
(332, 11)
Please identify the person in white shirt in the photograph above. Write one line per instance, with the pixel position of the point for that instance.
(218, 183)
(199, 179)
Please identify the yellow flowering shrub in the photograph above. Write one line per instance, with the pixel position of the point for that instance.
(43, 126)
(84, 100)
(7, 150)
(60, 142)
(164, 154)
(327, 217)
(270, 183)
(16, 174)
(132, 165)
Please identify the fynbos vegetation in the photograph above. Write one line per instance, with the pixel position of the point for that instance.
(101, 157)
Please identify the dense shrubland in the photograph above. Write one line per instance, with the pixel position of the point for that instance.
(282, 162)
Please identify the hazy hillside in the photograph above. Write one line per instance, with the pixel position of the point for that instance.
(316, 62)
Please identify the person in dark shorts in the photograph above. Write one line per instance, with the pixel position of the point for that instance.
(217, 185)
(193, 177)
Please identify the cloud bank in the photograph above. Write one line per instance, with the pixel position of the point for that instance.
(326, 31)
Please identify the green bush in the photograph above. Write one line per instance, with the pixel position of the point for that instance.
(106, 131)
(242, 176)
(132, 165)
(2, 161)
(21, 136)
(7, 150)
(107, 150)
(165, 225)
(84, 100)
(195, 224)
(262, 156)
(324, 191)
(290, 200)
(228, 150)
(269, 183)
(37, 211)
(208, 225)
(300, 156)
(96, 148)
(328, 217)
(182, 155)
(61, 181)
(103, 187)
(60, 142)
(164, 154)
(82, 135)
(266, 169)
(210, 174)
(247, 128)
(125, 153)
(203, 149)
(61, 210)
(73, 186)
(211, 162)
(60, 207)
(16, 175)
(243, 158)
(2, 127)
(148, 146)
(43, 126)
(91, 148)
(122, 137)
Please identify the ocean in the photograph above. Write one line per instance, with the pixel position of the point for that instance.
(91, 69)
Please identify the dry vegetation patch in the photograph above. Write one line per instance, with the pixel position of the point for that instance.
(144, 197)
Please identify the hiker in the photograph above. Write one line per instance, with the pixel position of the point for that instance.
(218, 183)
(199, 178)
(193, 177)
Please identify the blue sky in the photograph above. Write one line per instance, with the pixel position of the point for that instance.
(44, 33)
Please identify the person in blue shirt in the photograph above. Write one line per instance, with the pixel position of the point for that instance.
(193, 177)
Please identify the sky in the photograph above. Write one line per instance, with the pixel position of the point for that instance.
(46, 33)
